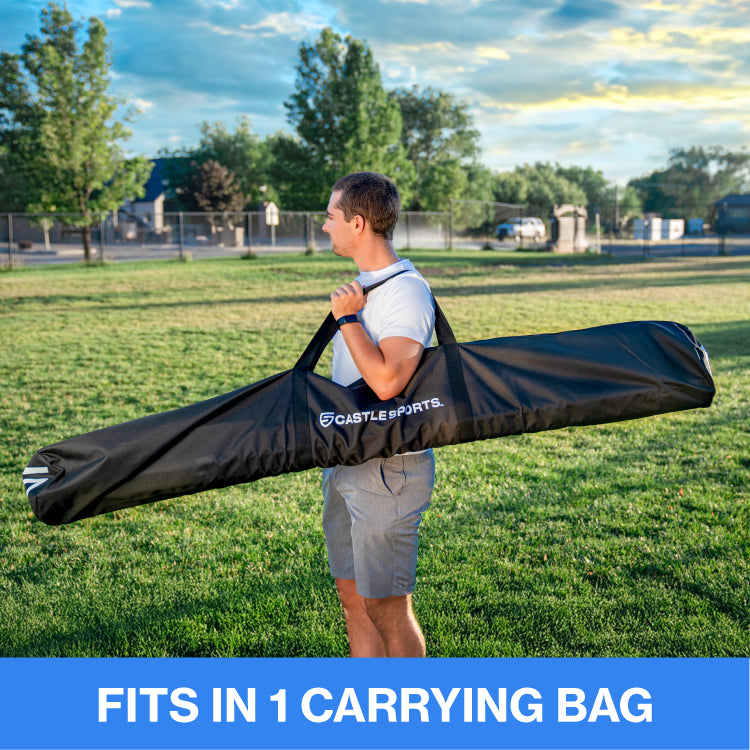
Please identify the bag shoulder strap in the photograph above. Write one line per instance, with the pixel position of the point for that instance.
(367, 289)
(328, 329)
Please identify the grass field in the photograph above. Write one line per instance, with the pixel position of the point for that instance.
(629, 539)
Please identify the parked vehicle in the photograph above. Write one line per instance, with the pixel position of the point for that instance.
(527, 228)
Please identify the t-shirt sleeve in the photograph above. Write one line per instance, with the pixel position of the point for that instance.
(409, 311)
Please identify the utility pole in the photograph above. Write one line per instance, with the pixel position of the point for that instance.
(617, 211)
(10, 242)
(450, 227)
(181, 226)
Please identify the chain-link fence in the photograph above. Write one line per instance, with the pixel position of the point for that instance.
(685, 246)
(47, 238)
(166, 234)
(198, 229)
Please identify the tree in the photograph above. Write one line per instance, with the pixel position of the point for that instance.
(15, 175)
(627, 207)
(242, 152)
(537, 186)
(213, 188)
(693, 180)
(293, 175)
(593, 183)
(480, 183)
(440, 142)
(615, 205)
(57, 118)
(343, 117)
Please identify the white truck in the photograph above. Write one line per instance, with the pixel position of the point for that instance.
(527, 228)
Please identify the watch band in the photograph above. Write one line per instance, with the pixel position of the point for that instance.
(344, 319)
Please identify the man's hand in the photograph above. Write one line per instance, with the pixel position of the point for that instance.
(386, 367)
(347, 300)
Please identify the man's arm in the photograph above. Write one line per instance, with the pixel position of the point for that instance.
(386, 367)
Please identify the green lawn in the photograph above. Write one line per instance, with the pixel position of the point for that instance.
(629, 539)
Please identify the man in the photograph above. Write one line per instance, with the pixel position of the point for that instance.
(372, 512)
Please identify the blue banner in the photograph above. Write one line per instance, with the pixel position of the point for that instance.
(628, 704)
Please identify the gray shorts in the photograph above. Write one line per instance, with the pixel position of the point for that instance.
(371, 518)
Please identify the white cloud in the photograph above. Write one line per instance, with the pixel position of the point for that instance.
(648, 99)
(684, 8)
(492, 53)
(143, 104)
(584, 146)
(224, 4)
(133, 3)
(216, 29)
(419, 49)
(289, 24)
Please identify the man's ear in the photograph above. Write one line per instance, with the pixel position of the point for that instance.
(359, 223)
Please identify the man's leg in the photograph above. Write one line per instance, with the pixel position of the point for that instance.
(397, 626)
(380, 627)
(364, 638)
(384, 502)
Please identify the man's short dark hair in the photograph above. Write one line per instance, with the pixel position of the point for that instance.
(373, 196)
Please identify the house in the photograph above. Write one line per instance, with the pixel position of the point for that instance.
(733, 214)
(147, 212)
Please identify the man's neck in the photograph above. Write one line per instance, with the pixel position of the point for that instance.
(376, 256)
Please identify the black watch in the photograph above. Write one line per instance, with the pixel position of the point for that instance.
(344, 319)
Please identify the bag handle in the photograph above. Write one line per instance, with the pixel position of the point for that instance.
(328, 329)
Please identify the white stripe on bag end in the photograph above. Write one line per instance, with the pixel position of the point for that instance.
(35, 477)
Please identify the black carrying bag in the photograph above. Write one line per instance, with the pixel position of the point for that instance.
(297, 420)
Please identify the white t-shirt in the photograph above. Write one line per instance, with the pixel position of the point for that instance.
(402, 307)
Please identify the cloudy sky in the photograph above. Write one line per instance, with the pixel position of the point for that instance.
(611, 84)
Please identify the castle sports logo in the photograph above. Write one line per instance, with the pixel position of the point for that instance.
(328, 418)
